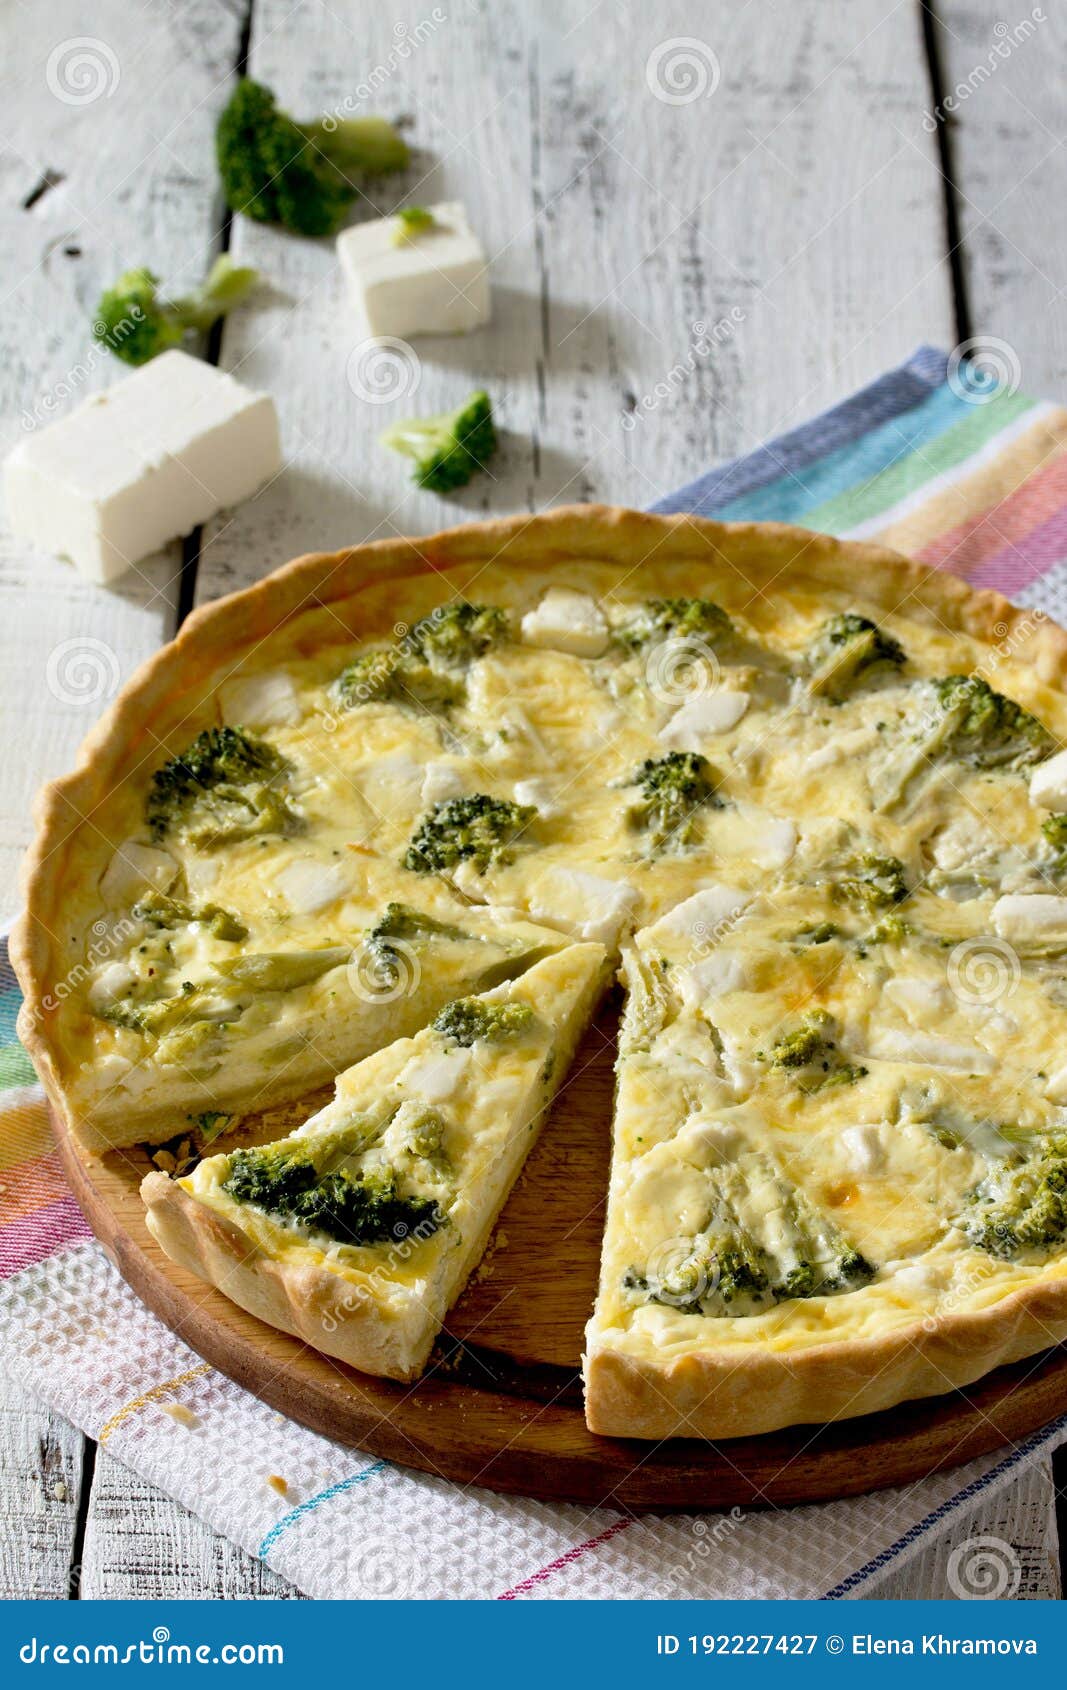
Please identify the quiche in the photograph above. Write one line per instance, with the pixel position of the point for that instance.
(359, 1230)
(810, 795)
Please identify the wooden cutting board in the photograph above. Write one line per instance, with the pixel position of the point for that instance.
(501, 1402)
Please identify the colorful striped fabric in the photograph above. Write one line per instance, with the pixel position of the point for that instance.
(928, 459)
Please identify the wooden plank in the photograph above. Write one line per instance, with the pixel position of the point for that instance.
(1003, 77)
(40, 1488)
(616, 224)
(122, 125)
(140, 1544)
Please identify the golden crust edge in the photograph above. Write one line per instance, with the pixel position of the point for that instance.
(724, 1394)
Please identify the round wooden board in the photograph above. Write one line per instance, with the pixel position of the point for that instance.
(501, 1404)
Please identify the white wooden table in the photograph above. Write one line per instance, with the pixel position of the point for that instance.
(807, 187)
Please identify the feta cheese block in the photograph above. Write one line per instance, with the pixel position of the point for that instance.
(140, 464)
(567, 621)
(433, 282)
(358, 1231)
(1048, 783)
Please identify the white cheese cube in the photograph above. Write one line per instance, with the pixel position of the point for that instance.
(568, 621)
(435, 1077)
(864, 1148)
(1035, 915)
(1048, 783)
(538, 792)
(710, 979)
(307, 885)
(703, 715)
(260, 701)
(437, 282)
(140, 464)
(136, 869)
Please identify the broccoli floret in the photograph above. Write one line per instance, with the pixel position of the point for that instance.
(966, 722)
(871, 882)
(673, 789)
(364, 1209)
(661, 619)
(847, 647)
(750, 1256)
(400, 921)
(1022, 1208)
(809, 1053)
(469, 1019)
(476, 829)
(453, 635)
(891, 930)
(297, 174)
(395, 676)
(447, 449)
(164, 914)
(820, 934)
(411, 222)
(134, 323)
(224, 787)
(1055, 830)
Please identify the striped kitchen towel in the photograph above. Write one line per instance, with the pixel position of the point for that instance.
(936, 458)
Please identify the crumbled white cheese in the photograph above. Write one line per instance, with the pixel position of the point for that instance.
(135, 869)
(711, 978)
(307, 885)
(702, 716)
(923, 997)
(1035, 915)
(566, 620)
(111, 985)
(1048, 783)
(260, 701)
(864, 1147)
(584, 904)
(1056, 1086)
(435, 283)
(774, 841)
(703, 916)
(440, 782)
(915, 1279)
(905, 1044)
(540, 793)
(435, 1077)
(140, 464)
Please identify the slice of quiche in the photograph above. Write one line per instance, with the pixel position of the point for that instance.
(358, 1231)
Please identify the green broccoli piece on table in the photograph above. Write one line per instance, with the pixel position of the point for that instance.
(467, 1020)
(136, 325)
(447, 449)
(848, 647)
(298, 174)
(680, 618)
(673, 790)
(224, 787)
(477, 829)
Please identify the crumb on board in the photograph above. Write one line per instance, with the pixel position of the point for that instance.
(484, 1270)
(276, 1482)
(59, 1491)
(178, 1411)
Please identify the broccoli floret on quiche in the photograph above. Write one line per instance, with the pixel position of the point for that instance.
(809, 1053)
(673, 790)
(353, 1209)
(847, 648)
(677, 618)
(226, 786)
(477, 829)
(467, 1020)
